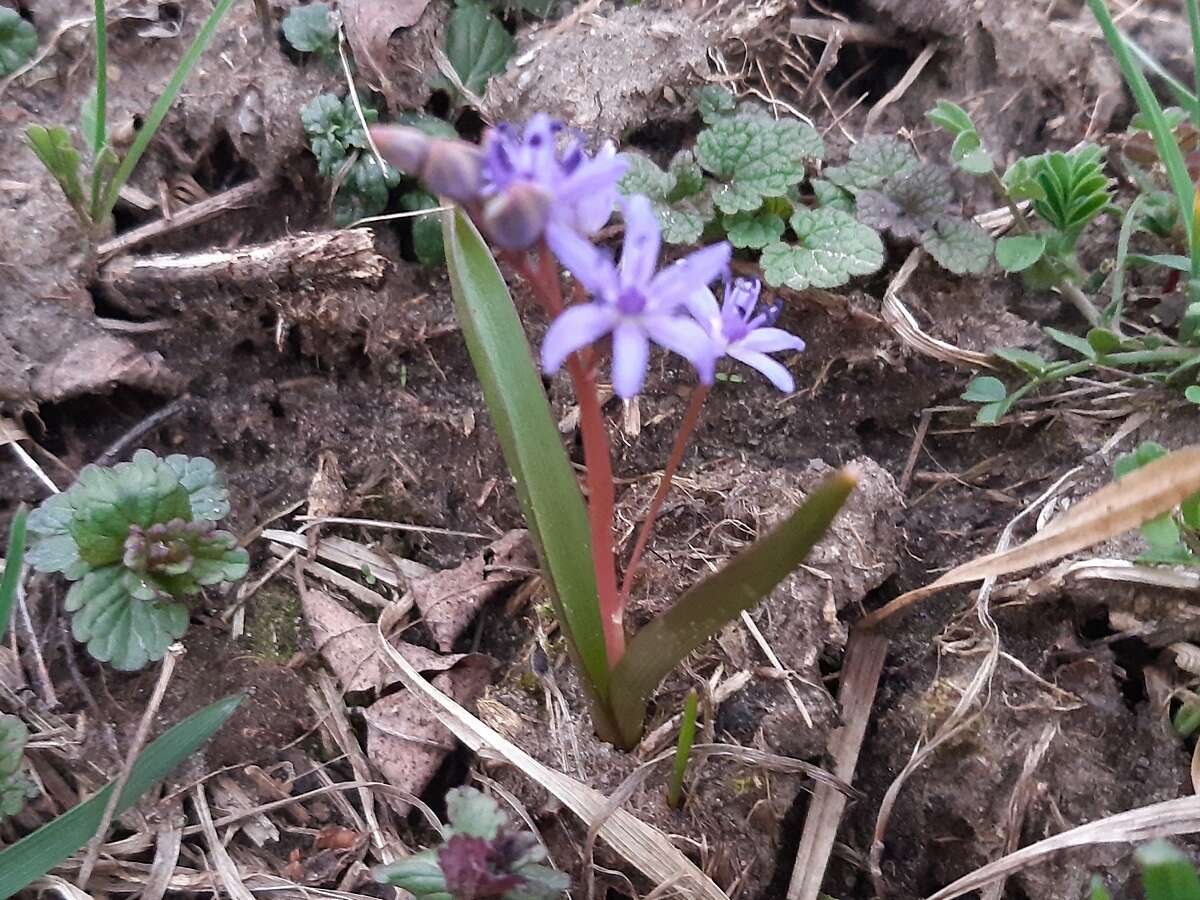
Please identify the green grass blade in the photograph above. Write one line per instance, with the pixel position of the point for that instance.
(1112, 315)
(160, 109)
(12, 567)
(99, 137)
(707, 607)
(683, 749)
(1164, 137)
(1183, 96)
(546, 487)
(1193, 11)
(1167, 874)
(32, 857)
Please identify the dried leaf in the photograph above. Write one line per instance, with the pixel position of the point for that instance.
(449, 600)
(369, 26)
(346, 642)
(1140, 496)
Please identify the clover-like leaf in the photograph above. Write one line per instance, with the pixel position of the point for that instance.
(985, 389)
(870, 163)
(754, 230)
(311, 29)
(959, 245)
(1016, 253)
(909, 203)
(833, 247)
(477, 45)
(18, 41)
(15, 786)
(756, 158)
(715, 103)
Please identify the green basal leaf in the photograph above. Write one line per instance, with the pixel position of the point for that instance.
(830, 195)
(871, 162)
(311, 29)
(985, 389)
(1016, 253)
(833, 248)
(418, 874)
(474, 812)
(54, 148)
(645, 177)
(756, 158)
(15, 786)
(708, 606)
(959, 245)
(478, 45)
(1027, 361)
(683, 222)
(1167, 874)
(951, 117)
(118, 627)
(32, 857)
(909, 203)
(754, 230)
(13, 560)
(18, 41)
(1073, 342)
(545, 482)
(426, 230)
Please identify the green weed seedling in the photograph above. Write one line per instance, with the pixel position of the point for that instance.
(747, 180)
(15, 786)
(478, 47)
(338, 141)
(18, 41)
(313, 29)
(56, 148)
(481, 856)
(136, 539)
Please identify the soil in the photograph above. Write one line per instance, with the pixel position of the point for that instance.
(266, 381)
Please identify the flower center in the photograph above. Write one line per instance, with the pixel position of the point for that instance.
(632, 302)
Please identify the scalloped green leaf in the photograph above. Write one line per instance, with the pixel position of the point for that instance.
(754, 230)
(959, 245)
(683, 222)
(16, 787)
(715, 103)
(119, 629)
(689, 177)
(908, 203)
(18, 41)
(756, 157)
(871, 162)
(475, 813)
(833, 248)
(311, 29)
(645, 177)
(831, 195)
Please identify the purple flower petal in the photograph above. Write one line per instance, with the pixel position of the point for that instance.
(703, 305)
(577, 327)
(631, 354)
(586, 262)
(590, 191)
(676, 283)
(770, 340)
(683, 336)
(775, 373)
(639, 254)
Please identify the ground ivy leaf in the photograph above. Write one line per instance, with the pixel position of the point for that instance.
(754, 230)
(1016, 253)
(758, 157)
(871, 162)
(683, 222)
(475, 813)
(689, 177)
(478, 45)
(645, 177)
(18, 41)
(830, 195)
(117, 628)
(311, 28)
(833, 247)
(715, 103)
(959, 245)
(917, 197)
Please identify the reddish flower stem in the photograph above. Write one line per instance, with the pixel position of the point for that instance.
(597, 458)
(690, 418)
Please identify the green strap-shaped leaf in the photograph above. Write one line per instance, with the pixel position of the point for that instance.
(32, 857)
(709, 606)
(12, 566)
(545, 483)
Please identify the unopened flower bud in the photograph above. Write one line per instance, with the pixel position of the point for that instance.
(453, 169)
(404, 147)
(516, 219)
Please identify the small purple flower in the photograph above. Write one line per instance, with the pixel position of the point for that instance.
(737, 330)
(578, 191)
(635, 302)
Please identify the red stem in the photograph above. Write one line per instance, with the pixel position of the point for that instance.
(597, 459)
(690, 418)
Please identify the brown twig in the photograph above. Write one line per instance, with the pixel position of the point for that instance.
(135, 748)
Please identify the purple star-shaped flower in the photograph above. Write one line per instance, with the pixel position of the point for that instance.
(530, 187)
(635, 302)
(737, 330)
